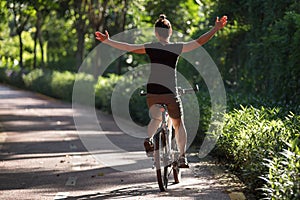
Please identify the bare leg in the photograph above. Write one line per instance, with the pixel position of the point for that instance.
(153, 126)
(155, 115)
(180, 135)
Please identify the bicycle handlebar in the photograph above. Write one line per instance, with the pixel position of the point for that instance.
(180, 91)
(143, 93)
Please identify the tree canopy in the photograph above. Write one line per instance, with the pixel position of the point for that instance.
(256, 52)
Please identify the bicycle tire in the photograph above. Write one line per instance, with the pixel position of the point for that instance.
(176, 174)
(161, 165)
(175, 155)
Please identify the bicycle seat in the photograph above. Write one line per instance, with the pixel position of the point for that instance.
(163, 107)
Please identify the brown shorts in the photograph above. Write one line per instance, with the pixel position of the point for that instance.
(173, 103)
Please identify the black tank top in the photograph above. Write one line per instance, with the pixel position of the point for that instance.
(163, 58)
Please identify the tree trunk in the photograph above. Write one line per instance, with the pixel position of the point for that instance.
(42, 49)
(20, 25)
(34, 50)
(37, 36)
(97, 23)
(124, 12)
(80, 9)
(20, 49)
(80, 47)
(97, 19)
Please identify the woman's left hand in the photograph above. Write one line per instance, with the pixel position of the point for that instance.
(219, 24)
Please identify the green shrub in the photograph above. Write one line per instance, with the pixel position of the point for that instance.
(39, 80)
(54, 83)
(62, 84)
(205, 116)
(282, 180)
(11, 76)
(3, 76)
(137, 104)
(138, 108)
(250, 136)
(84, 88)
(256, 142)
(103, 91)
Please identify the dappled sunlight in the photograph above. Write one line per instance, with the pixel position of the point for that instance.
(49, 159)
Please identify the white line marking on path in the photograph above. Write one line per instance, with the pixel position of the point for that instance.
(76, 156)
(61, 195)
(73, 147)
(71, 181)
(3, 137)
(76, 166)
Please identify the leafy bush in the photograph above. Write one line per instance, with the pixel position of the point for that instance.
(103, 91)
(3, 76)
(282, 180)
(84, 89)
(39, 80)
(139, 109)
(137, 104)
(250, 136)
(11, 76)
(54, 83)
(257, 143)
(205, 116)
(62, 84)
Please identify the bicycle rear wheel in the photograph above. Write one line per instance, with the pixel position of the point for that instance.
(176, 173)
(175, 156)
(162, 161)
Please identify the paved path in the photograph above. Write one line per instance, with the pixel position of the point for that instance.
(43, 157)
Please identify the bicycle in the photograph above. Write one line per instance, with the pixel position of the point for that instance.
(166, 154)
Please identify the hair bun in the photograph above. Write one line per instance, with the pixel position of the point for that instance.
(162, 16)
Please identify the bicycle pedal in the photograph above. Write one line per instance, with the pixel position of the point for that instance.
(153, 166)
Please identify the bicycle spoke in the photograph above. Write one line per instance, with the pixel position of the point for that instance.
(171, 169)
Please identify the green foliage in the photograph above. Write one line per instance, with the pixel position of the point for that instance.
(39, 80)
(11, 76)
(281, 47)
(257, 55)
(62, 83)
(257, 51)
(252, 136)
(138, 108)
(60, 44)
(54, 83)
(257, 143)
(205, 115)
(283, 178)
(103, 91)
(105, 87)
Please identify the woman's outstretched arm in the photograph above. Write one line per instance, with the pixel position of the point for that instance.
(135, 48)
(219, 24)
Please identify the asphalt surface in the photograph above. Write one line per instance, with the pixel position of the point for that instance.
(44, 156)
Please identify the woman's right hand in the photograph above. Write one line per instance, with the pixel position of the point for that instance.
(135, 48)
(102, 37)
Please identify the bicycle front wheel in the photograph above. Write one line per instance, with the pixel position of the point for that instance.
(162, 161)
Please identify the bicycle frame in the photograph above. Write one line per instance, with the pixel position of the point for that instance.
(165, 151)
(165, 126)
(164, 154)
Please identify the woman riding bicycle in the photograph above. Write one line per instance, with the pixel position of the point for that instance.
(161, 86)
